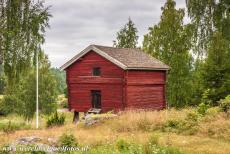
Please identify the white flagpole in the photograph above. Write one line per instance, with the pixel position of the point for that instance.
(37, 90)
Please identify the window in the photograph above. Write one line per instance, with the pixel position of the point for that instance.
(96, 71)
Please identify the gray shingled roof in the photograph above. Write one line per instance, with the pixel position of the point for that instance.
(126, 58)
(133, 58)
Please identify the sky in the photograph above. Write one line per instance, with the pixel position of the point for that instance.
(78, 23)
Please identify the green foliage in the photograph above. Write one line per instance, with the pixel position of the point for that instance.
(202, 108)
(62, 101)
(225, 104)
(2, 80)
(188, 125)
(205, 97)
(5, 149)
(11, 126)
(66, 92)
(23, 28)
(170, 41)
(154, 139)
(122, 145)
(153, 147)
(68, 140)
(216, 70)
(55, 120)
(197, 87)
(60, 78)
(213, 111)
(22, 100)
(211, 20)
(7, 104)
(207, 16)
(127, 36)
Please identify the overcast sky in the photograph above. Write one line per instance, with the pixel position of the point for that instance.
(78, 23)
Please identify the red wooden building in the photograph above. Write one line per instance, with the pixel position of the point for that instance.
(114, 79)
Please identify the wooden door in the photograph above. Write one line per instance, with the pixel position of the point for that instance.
(96, 99)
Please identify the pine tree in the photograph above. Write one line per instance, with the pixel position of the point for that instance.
(170, 41)
(127, 36)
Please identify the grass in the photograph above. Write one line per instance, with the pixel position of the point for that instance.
(191, 133)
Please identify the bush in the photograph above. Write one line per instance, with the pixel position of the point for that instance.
(202, 108)
(68, 140)
(122, 145)
(206, 97)
(225, 104)
(8, 104)
(213, 111)
(56, 120)
(172, 123)
(62, 101)
(188, 125)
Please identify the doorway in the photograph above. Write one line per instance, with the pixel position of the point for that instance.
(96, 99)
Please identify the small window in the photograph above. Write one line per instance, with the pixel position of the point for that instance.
(96, 71)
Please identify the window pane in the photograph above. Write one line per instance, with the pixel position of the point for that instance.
(96, 71)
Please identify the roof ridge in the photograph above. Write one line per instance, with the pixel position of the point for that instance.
(114, 47)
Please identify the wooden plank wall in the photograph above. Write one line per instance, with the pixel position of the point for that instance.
(80, 83)
(145, 89)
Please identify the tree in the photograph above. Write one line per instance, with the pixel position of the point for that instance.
(22, 34)
(25, 95)
(170, 41)
(2, 80)
(209, 16)
(127, 36)
(61, 79)
(216, 69)
(212, 35)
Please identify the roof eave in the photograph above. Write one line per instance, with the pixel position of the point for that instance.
(146, 68)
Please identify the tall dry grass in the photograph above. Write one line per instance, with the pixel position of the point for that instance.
(144, 120)
(212, 130)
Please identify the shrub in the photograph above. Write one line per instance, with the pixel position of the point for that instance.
(56, 120)
(202, 108)
(225, 104)
(62, 101)
(213, 111)
(173, 123)
(188, 125)
(8, 104)
(122, 145)
(205, 97)
(68, 140)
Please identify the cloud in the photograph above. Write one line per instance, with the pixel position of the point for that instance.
(77, 23)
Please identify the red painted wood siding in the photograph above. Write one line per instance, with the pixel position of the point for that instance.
(145, 89)
(80, 83)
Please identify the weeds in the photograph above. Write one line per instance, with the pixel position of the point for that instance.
(56, 120)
